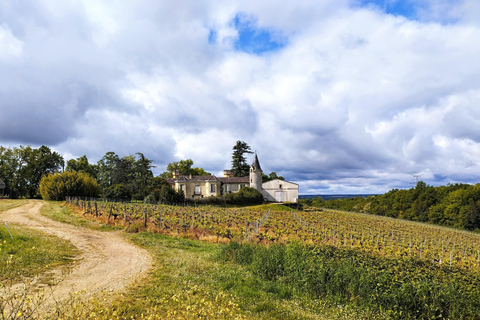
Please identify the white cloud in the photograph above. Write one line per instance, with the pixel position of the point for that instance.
(10, 46)
(355, 99)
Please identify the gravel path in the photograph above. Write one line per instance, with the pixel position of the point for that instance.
(107, 262)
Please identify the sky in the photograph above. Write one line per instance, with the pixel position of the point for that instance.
(339, 96)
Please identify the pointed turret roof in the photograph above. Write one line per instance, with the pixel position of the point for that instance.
(256, 164)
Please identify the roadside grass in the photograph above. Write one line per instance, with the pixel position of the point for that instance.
(30, 253)
(7, 204)
(58, 211)
(188, 281)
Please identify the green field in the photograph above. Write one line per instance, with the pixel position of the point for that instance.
(270, 262)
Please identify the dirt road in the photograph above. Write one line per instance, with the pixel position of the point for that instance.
(108, 262)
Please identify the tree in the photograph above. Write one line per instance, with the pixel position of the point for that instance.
(156, 183)
(81, 165)
(167, 195)
(9, 165)
(271, 176)
(240, 168)
(131, 172)
(113, 170)
(184, 167)
(118, 192)
(106, 166)
(32, 165)
(142, 175)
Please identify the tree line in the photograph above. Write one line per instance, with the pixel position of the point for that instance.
(24, 169)
(129, 177)
(454, 205)
(21, 168)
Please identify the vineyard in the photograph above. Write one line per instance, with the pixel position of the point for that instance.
(276, 224)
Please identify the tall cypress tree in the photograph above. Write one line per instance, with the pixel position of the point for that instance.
(240, 167)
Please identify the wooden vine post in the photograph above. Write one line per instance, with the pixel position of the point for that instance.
(110, 213)
(145, 217)
(125, 216)
(160, 218)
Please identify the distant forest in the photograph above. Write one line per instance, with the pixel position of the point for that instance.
(454, 205)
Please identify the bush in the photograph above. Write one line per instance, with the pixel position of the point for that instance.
(150, 199)
(119, 192)
(168, 195)
(248, 196)
(60, 185)
(245, 197)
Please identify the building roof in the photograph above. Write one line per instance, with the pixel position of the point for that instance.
(2, 184)
(208, 178)
(234, 179)
(275, 182)
(256, 164)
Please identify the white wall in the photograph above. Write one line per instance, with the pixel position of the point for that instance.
(280, 191)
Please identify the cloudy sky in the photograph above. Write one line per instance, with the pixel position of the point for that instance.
(340, 96)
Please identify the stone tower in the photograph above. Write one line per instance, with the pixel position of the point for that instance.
(256, 174)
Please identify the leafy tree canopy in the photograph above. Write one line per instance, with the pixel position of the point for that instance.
(81, 165)
(185, 167)
(453, 205)
(129, 171)
(22, 168)
(271, 176)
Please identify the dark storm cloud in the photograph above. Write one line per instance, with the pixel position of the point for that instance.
(354, 98)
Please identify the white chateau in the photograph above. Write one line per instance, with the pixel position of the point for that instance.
(207, 186)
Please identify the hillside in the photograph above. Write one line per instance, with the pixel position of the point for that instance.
(455, 205)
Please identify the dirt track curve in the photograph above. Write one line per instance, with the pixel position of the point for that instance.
(107, 262)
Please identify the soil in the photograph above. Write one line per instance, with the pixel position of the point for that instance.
(107, 261)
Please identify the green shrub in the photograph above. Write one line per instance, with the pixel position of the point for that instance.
(118, 192)
(245, 197)
(168, 195)
(249, 196)
(60, 185)
(150, 199)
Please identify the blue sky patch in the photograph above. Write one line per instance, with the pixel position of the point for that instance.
(254, 40)
(419, 10)
(405, 8)
(212, 36)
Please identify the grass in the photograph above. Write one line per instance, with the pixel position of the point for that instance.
(405, 288)
(59, 212)
(6, 204)
(192, 280)
(189, 282)
(27, 253)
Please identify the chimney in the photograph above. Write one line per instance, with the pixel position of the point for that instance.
(177, 174)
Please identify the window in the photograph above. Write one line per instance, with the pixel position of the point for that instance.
(197, 189)
(212, 188)
(226, 188)
(242, 186)
(181, 187)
